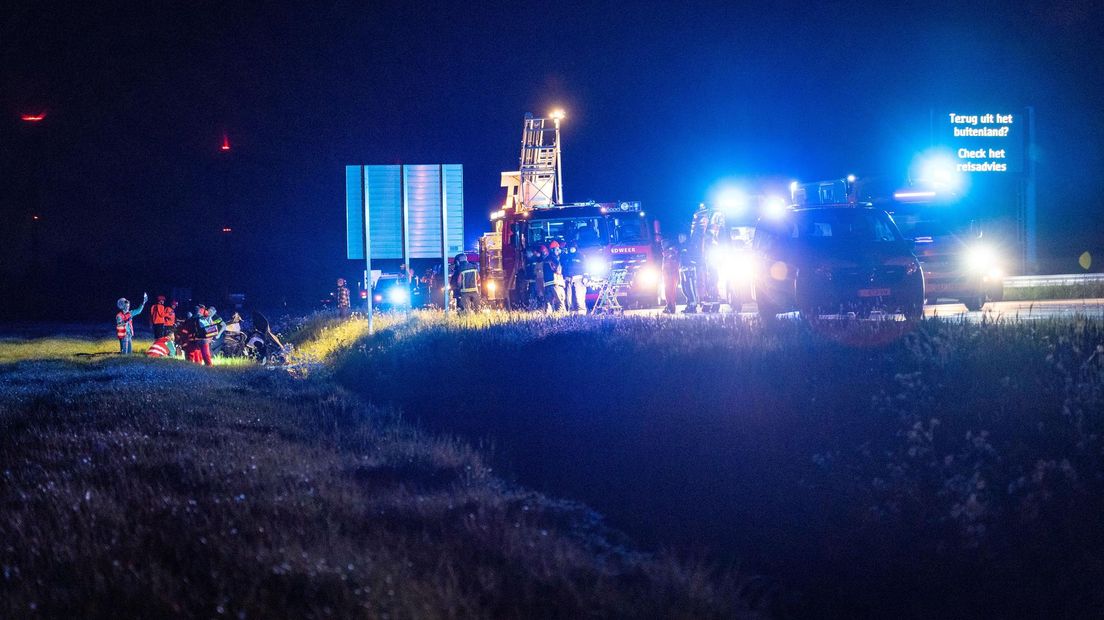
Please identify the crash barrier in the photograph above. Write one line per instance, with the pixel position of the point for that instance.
(1068, 279)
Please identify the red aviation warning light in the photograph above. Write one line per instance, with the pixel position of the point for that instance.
(32, 118)
(225, 143)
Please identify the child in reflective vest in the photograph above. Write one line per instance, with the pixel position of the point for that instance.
(124, 322)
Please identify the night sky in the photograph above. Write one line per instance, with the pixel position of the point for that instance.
(663, 102)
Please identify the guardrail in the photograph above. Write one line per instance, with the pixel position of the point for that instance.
(1067, 279)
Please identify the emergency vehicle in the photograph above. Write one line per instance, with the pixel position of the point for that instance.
(610, 235)
(723, 236)
(957, 248)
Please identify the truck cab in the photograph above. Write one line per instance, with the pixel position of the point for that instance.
(609, 236)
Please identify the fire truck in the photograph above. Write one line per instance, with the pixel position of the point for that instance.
(611, 236)
(963, 254)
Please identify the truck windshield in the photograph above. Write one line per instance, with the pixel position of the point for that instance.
(586, 231)
(844, 225)
(629, 229)
(931, 227)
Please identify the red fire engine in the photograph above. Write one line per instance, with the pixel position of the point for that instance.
(611, 236)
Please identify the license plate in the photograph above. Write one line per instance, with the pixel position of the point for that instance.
(873, 292)
(938, 288)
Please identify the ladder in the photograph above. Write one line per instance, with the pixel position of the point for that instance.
(607, 302)
(540, 161)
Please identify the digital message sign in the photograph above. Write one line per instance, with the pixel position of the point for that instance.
(989, 142)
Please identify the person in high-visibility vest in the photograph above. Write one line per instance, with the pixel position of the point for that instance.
(124, 322)
(188, 338)
(169, 318)
(572, 264)
(341, 298)
(157, 317)
(533, 274)
(215, 320)
(164, 346)
(688, 272)
(553, 279)
(467, 284)
(203, 335)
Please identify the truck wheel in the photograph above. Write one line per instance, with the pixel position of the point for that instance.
(973, 304)
(768, 314)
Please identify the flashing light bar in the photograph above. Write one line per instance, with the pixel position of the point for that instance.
(907, 195)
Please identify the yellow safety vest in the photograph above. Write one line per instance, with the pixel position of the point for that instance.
(468, 281)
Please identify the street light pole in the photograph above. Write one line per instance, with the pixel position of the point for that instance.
(557, 116)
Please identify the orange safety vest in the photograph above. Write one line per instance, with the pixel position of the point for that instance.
(122, 323)
(158, 348)
(157, 314)
(169, 318)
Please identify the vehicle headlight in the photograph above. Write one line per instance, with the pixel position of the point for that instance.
(717, 258)
(741, 267)
(597, 267)
(491, 286)
(398, 295)
(982, 259)
(647, 276)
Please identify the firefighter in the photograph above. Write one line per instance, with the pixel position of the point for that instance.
(157, 317)
(341, 297)
(553, 279)
(198, 332)
(187, 338)
(688, 260)
(572, 263)
(535, 272)
(124, 322)
(467, 284)
(670, 276)
(169, 318)
(165, 346)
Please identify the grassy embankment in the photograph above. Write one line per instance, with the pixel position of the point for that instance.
(154, 488)
(960, 467)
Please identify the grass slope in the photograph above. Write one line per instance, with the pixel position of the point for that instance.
(153, 488)
(959, 467)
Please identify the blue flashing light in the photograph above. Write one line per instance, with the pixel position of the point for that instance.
(397, 295)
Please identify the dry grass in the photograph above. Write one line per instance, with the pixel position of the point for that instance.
(144, 488)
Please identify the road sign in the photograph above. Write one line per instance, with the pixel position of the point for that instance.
(404, 212)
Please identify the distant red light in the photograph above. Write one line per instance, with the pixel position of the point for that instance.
(35, 218)
(225, 143)
(33, 118)
(227, 229)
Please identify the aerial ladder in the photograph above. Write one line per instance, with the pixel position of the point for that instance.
(538, 182)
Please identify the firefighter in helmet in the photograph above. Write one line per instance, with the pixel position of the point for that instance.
(467, 284)
(157, 317)
(572, 263)
(554, 293)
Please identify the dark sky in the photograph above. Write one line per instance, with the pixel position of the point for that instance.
(663, 101)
